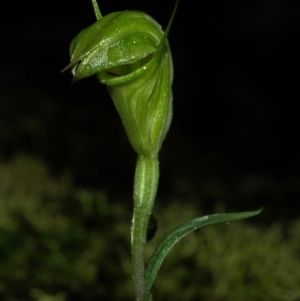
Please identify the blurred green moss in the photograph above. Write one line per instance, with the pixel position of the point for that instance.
(59, 243)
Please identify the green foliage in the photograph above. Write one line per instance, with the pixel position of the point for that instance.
(180, 232)
(56, 239)
(61, 243)
(232, 262)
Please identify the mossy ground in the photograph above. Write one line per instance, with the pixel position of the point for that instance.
(59, 243)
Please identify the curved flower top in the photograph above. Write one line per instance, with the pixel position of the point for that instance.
(116, 39)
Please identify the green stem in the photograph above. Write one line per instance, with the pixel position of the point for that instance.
(96, 10)
(145, 187)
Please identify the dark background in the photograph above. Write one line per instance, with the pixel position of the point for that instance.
(235, 125)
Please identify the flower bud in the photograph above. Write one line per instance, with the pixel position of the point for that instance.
(129, 53)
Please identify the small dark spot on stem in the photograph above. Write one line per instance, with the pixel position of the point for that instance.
(152, 227)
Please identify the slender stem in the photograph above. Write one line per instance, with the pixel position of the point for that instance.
(96, 9)
(145, 187)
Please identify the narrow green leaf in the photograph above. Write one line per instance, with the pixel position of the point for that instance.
(171, 239)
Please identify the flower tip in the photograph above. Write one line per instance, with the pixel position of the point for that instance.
(66, 68)
(75, 79)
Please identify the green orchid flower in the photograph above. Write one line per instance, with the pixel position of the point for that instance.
(129, 53)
